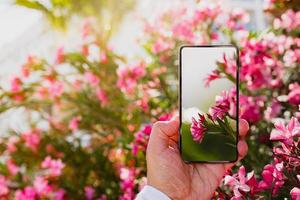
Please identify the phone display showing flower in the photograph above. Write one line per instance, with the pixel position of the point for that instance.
(218, 120)
(209, 127)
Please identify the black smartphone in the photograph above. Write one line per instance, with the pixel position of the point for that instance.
(209, 91)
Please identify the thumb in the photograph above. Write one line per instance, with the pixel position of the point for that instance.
(161, 134)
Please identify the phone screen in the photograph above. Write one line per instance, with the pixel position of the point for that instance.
(208, 103)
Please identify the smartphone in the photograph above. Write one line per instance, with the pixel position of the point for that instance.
(208, 98)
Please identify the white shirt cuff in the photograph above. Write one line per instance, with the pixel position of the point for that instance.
(150, 193)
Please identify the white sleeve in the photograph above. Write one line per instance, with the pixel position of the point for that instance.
(150, 193)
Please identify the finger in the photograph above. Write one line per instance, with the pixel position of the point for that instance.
(162, 133)
(243, 127)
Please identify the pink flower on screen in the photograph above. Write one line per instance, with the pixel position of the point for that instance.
(241, 182)
(215, 74)
(198, 129)
(53, 166)
(41, 186)
(221, 107)
(89, 192)
(15, 84)
(4, 190)
(102, 97)
(32, 138)
(91, 78)
(28, 193)
(294, 94)
(284, 133)
(295, 193)
(74, 123)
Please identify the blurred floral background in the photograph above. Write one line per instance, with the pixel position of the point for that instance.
(83, 81)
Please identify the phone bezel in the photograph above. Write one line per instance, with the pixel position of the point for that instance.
(180, 97)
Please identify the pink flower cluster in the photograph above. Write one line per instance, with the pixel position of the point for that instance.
(54, 167)
(272, 178)
(128, 77)
(241, 183)
(237, 19)
(32, 138)
(222, 106)
(141, 140)
(294, 94)
(290, 20)
(127, 176)
(287, 158)
(198, 128)
(41, 189)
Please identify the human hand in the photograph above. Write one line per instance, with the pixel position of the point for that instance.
(167, 172)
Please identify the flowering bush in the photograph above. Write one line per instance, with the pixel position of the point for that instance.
(89, 112)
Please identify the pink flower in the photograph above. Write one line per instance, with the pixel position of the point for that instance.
(11, 144)
(273, 110)
(102, 97)
(103, 57)
(250, 108)
(160, 45)
(272, 177)
(89, 192)
(54, 166)
(241, 182)
(291, 57)
(56, 89)
(41, 186)
(3, 186)
(127, 176)
(73, 124)
(141, 139)
(294, 94)
(28, 193)
(198, 129)
(59, 55)
(295, 193)
(31, 60)
(15, 85)
(32, 139)
(284, 133)
(128, 77)
(215, 74)
(12, 167)
(237, 19)
(289, 20)
(60, 194)
(92, 78)
(222, 106)
(184, 31)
